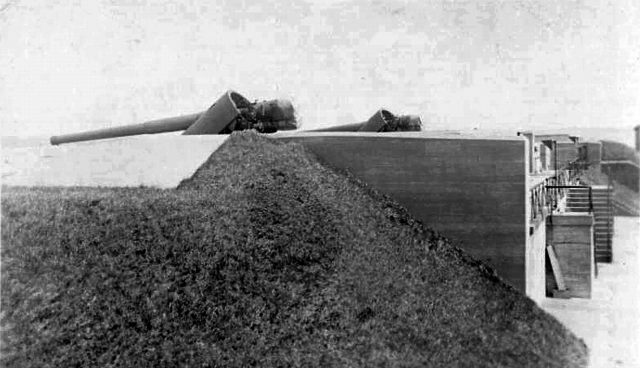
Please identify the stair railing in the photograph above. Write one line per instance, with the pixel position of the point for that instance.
(609, 212)
(590, 211)
(574, 186)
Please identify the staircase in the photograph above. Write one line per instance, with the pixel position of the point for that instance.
(578, 201)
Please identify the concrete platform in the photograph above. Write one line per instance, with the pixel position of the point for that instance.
(153, 160)
(609, 322)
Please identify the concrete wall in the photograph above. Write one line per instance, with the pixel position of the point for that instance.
(533, 151)
(161, 160)
(593, 152)
(535, 263)
(565, 148)
(566, 152)
(471, 190)
(571, 235)
(545, 156)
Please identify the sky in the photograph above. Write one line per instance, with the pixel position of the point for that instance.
(68, 66)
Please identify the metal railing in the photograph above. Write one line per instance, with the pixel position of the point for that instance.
(549, 193)
(578, 187)
(609, 212)
(540, 198)
(546, 195)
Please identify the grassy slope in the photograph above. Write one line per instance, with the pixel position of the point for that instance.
(616, 151)
(263, 258)
(626, 201)
(626, 174)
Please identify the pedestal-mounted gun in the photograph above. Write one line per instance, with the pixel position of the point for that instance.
(230, 112)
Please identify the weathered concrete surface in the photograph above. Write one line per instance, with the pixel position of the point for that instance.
(545, 156)
(535, 263)
(533, 151)
(152, 160)
(593, 152)
(567, 152)
(571, 235)
(470, 189)
(565, 149)
(609, 322)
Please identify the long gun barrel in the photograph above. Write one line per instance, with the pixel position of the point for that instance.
(174, 124)
(382, 121)
(230, 112)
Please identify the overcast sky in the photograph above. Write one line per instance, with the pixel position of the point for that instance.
(490, 64)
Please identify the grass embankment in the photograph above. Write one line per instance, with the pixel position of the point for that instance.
(626, 202)
(616, 151)
(264, 258)
(622, 163)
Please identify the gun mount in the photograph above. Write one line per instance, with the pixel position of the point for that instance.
(230, 112)
(382, 121)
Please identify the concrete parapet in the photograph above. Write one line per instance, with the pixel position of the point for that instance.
(571, 235)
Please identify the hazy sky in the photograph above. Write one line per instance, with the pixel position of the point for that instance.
(491, 64)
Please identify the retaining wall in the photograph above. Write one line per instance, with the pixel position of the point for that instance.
(571, 235)
(472, 190)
